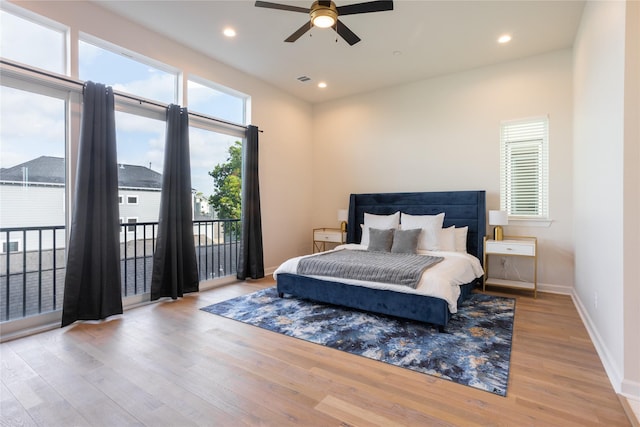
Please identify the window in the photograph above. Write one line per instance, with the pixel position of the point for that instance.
(32, 40)
(12, 246)
(131, 228)
(32, 157)
(524, 170)
(215, 101)
(37, 137)
(126, 71)
(212, 151)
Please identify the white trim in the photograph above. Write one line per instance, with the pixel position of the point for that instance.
(31, 325)
(529, 222)
(555, 289)
(615, 378)
(524, 145)
(132, 196)
(630, 390)
(47, 23)
(130, 54)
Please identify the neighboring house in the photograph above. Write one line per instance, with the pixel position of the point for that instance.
(33, 195)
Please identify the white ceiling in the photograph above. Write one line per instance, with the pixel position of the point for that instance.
(416, 40)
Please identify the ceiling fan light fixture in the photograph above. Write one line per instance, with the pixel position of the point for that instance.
(322, 15)
(323, 21)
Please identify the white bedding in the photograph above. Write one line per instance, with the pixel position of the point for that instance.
(443, 280)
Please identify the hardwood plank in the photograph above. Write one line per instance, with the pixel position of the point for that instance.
(172, 364)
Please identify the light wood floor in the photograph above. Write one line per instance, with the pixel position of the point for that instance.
(171, 364)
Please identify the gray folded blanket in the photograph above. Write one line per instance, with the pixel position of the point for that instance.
(383, 267)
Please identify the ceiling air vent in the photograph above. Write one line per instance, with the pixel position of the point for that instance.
(304, 79)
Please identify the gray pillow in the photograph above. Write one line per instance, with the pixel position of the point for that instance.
(405, 241)
(380, 240)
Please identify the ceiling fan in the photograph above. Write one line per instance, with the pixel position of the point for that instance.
(324, 14)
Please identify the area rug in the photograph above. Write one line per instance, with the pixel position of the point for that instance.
(474, 351)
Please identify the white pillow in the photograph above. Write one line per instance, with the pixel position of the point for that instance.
(430, 225)
(383, 222)
(448, 239)
(461, 239)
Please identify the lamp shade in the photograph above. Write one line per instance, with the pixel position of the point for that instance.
(498, 218)
(343, 215)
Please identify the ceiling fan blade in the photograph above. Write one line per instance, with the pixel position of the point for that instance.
(279, 6)
(370, 6)
(299, 32)
(348, 35)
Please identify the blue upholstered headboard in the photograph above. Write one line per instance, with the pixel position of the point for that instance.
(460, 208)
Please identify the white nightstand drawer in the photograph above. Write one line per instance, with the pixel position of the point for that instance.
(511, 247)
(328, 236)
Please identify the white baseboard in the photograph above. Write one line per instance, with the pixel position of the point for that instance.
(629, 389)
(555, 289)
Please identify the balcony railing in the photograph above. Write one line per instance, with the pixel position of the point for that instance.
(33, 265)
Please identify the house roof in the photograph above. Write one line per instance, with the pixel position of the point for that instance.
(51, 170)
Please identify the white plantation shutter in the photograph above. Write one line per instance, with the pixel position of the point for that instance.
(524, 170)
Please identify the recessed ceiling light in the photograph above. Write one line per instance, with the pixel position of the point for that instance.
(229, 32)
(505, 38)
(322, 85)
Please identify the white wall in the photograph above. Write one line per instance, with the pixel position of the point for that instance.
(631, 381)
(606, 187)
(443, 134)
(285, 145)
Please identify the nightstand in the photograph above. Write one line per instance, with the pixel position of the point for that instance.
(322, 236)
(526, 247)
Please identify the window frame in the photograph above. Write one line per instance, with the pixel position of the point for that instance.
(23, 76)
(6, 246)
(222, 89)
(132, 199)
(131, 226)
(527, 138)
(47, 23)
(138, 57)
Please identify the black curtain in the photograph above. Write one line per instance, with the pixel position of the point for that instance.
(250, 260)
(92, 286)
(175, 270)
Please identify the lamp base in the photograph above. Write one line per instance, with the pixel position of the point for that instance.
(497, 233)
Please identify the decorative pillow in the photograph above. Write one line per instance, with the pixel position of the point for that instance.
(405, 241)
(430, 225)
(448, 239)
(461, 238)
(380, 240)
(382, 222)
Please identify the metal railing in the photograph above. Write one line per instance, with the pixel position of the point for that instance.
(33, 264)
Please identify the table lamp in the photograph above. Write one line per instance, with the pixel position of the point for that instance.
(343, 215)
(498, 218)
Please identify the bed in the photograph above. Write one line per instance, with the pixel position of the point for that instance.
(460, 208)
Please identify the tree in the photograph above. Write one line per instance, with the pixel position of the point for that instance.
(227, 181)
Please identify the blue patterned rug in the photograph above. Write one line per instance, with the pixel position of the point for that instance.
(474, 350)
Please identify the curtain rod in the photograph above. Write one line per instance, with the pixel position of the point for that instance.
(120, 94)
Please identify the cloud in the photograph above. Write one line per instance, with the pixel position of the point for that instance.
(36, 128)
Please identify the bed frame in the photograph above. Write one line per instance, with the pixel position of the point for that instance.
(461, 208)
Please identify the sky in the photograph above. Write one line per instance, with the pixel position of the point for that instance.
(38, 127)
